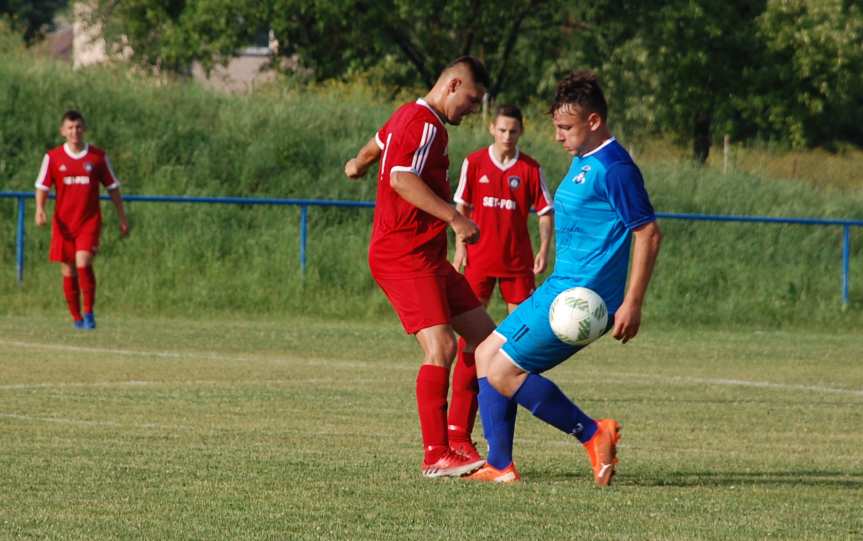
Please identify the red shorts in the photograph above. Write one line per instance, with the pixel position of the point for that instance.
(513, 289)
(64, 244)
(424, 301)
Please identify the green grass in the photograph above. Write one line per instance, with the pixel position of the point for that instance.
(186, 260)
(306, 429)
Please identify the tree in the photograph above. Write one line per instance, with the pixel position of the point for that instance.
(31, 18)
(809, 85)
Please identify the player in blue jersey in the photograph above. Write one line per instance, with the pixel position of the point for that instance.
(600, 205)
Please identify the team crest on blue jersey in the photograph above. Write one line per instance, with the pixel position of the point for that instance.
(88, 166)
(582, 176)
(514, 182)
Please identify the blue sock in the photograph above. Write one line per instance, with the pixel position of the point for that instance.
(546, 401)
(498, 423)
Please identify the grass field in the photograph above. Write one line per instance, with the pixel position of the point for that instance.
(299, 429)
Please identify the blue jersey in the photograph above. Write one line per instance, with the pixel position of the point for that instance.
(597, 205)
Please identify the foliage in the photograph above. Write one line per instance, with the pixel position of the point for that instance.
(31, 18)
(787, 70)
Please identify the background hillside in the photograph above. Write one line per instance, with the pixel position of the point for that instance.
(284, 141)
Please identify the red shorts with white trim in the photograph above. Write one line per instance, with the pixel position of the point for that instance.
(424, 301)
(64, 244)
(513, 289)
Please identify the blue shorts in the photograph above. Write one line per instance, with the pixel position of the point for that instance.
(530, 343)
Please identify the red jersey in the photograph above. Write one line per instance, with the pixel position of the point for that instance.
(406, 240)
(500, 196)
(76, 179)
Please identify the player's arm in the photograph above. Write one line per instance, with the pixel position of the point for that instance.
(43, 183)
(627, 319)
(356, 167)
(117, 199)
(416, 192)
(41, 216)
(460, 257)
(546, 228)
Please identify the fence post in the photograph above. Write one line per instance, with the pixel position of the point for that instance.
(846, 262)
(304, 221)
(19, 242)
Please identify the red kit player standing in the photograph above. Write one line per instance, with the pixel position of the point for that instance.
(497, 187)
(76, 170)
(408, 252)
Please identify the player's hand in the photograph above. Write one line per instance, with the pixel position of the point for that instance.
(465, 229)
(459, 258)
(41, 217)
(627, 320)
(352, 169)
(540, 263)
(124, 228)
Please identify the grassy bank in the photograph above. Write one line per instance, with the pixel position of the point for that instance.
(173, 138)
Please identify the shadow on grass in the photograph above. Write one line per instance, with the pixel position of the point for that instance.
(683, 479)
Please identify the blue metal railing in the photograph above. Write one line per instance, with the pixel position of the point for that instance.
(304, 205)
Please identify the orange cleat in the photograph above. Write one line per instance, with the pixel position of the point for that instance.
(466, 449)
(490, 474)
(602, 450)
(451, 464)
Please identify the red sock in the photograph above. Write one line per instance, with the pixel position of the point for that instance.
(72, 294)
(462, 410)
(88, 287)
(432, 387)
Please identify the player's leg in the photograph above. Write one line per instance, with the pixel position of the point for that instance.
(473, 325)
(423, 308)
(62, 251)
(512, 364)
(72, 293)
(498, 413)
(87, 279)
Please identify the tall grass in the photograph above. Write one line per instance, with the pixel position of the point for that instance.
(176, 138)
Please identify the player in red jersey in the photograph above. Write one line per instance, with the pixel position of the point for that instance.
(497, 188)
(76, 169)
(408, 248)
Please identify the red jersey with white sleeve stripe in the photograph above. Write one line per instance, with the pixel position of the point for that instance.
(76, 178)
(500, 196)
(407, 241)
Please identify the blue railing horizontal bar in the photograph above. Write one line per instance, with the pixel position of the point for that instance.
(222, 200)
(757, 219)
(371, 204)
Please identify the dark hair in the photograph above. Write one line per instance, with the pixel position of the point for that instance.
(580, 88)
(72, 115)
(510, 111)
(476, 68)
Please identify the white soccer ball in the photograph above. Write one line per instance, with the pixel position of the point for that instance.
(578, 316)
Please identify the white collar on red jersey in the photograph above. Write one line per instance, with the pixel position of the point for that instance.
(507, 164)
(600, 147)
(425, 104)
(74, 156)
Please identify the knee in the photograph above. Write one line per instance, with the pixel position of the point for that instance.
(442, 351)
(502, 380)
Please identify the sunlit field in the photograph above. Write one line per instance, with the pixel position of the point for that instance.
(306, 429)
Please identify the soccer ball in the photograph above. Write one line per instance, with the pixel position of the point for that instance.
(578, 316)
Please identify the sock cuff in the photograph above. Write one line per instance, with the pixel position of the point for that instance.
(433, 374)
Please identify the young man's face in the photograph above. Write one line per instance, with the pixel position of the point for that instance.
(73, 131)
(506, 131)
(464, 98)
(573, 128)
